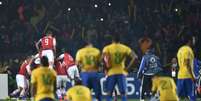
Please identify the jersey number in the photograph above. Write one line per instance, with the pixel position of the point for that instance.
(165, 85)
(90, 60)
(46, 42)
(46, 79)
(118, 57)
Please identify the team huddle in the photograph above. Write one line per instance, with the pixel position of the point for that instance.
(70, 79)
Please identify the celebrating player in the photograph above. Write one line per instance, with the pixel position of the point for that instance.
(149, 64)
(47, 47)
(78, 92)
(66, 72)
(22, 79)
(115, 55)
(88, 59)
(43, 82)
(186, 77)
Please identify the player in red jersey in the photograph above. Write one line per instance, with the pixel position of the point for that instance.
(68, 62)
(22, 79)
(66, 72)
(47, 47)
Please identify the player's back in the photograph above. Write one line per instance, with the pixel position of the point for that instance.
(45, 79)
(184, 53)
(79, 93)
(47, 42)
(89, 57)
(117, 53)
(166, 88)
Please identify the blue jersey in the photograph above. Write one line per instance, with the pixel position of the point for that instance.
(150, 64)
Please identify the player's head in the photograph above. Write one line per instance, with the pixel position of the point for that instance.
(145, 44)
(189, 39)
(78, 81)
(115, 37)
(49, 33)
(44, 61)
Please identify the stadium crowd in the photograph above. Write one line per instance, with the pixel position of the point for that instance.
(23, 22)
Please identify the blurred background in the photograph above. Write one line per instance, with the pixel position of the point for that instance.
(23, 22)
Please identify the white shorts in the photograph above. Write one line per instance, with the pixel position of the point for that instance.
(50, 55)
(61, 80)
(22, 81)
(73, 72)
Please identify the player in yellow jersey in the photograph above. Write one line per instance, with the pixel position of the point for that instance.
(43, 82)
(165, 86)
(186, 77)
(88, 59)
(79, 92)
(115, 56)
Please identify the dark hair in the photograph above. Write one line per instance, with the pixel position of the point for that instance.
(44, 61)
(116, 37)
(78, 81)
(187, 38)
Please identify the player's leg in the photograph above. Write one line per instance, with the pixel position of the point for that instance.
(25, 89)
(50, 56)
(95, 81)
(58, 85)
(190, 89)
(110, 84)
(85, 78)
(121, 82)
(142, 89)
(18, 90)
(181, 92)
(145, 90)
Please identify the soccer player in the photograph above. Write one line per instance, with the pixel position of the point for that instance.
(68, 62)
(78, 92)
(149, 64)
(88, 59)
(47, 47)
(186, 77)
(115, 56)
(43, 82)
(165, 86)
(66, 72)
(22, 80)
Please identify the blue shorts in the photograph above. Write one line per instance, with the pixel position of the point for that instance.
(92, 81)
(118, 79)
(186, 87)
(47, 99)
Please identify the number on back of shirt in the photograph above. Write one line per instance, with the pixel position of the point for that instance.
(46, 41)
(165, 85)
(118, 57)
(46, 79)
(90, 60)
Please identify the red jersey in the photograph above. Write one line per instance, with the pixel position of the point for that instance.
(23, 69)
(60, 69)
(68, 60)
(47, 42)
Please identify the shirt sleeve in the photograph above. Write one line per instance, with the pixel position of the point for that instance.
(61, 56)
(78, 56)
(142, 65)
(54, 42)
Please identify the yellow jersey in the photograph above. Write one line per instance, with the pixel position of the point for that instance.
(89, 57)
(166, 88)
(184, 53)
(44, 79)
(117, 53)
(79, 93)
